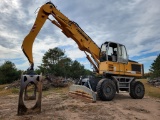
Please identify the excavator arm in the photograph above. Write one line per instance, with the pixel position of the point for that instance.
(68, 27)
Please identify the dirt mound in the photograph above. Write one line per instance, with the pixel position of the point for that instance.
(53, 81)
(155, 82)
(15, 84)
(48, 81)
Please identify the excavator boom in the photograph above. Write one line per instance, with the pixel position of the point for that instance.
(68, 27)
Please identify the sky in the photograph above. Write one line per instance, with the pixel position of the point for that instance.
(134, 23)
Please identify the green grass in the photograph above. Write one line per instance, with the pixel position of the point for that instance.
(60, 90)
(14, 90)
(3, 86)
(151, 90)
(4, 91)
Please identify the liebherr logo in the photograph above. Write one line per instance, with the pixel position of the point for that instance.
(33, 28)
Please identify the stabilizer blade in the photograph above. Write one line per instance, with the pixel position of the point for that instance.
(83, 92)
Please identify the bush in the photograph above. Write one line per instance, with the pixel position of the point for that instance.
(8, 72)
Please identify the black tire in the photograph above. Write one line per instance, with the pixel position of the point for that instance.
(137, 90)
(106, 89)
(131, 93)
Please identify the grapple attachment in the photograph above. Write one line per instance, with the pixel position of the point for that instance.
(36, 81)
(82, 92)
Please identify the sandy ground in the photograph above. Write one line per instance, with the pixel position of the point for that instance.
(60, 106)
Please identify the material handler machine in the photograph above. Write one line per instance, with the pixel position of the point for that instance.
(110, 60)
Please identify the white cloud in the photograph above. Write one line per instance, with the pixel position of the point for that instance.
(147, 59)
(75, 53)
(134, 23)
(7, 53)
(8, 5)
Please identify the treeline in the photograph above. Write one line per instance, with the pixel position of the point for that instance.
(54, 62)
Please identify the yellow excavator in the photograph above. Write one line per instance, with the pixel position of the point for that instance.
(110, 60)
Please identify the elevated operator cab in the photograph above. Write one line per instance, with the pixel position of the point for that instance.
(113, 52)
(114, 60)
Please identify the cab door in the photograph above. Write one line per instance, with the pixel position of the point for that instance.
(122, 58)
(113, 65)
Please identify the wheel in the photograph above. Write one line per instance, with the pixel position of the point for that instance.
(137, 90)
(106, 89)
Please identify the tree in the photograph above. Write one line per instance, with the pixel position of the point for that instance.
(65, 67)
(77, 70)
(50, 60)
(8, 72)
(155, 68)
(52, 56)
(55, 62)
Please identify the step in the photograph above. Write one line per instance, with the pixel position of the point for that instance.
(124, 82)
(123, 87)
